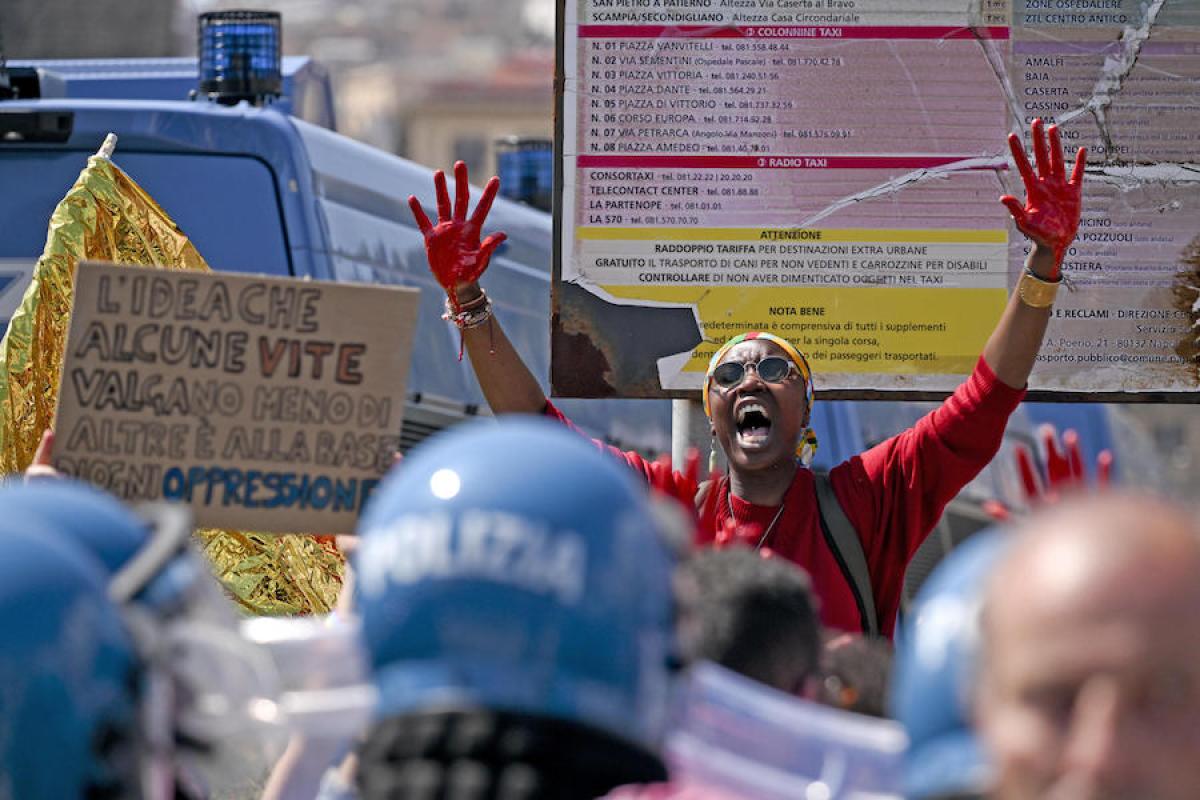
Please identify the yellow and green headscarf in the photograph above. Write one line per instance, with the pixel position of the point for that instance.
(808, 440)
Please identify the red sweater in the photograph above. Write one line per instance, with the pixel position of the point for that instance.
(893, 493)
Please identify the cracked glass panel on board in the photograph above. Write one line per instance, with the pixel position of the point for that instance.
(830, 170)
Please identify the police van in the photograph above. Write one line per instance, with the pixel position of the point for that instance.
(272, 188)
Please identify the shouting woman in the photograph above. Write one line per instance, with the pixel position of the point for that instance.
(758, 393)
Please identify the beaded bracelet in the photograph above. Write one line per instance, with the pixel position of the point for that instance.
(469, 315)
(478, 301)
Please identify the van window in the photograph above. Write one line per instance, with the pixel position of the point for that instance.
(227, 205)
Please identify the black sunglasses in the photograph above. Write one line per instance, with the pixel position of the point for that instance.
(771, 369)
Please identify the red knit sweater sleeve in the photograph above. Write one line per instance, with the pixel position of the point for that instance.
(895, 492)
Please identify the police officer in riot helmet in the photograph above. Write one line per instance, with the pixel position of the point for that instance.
(516, 602)
(122, 663)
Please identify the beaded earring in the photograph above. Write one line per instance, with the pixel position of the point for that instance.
(807, 447)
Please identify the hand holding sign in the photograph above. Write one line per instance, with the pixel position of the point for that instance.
(1050, 215)
(41, 466)
(456, 256)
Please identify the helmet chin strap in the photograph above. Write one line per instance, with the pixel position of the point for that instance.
(203, 682)
(170, 531)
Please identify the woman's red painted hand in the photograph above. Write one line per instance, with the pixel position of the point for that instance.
(456, 256)
(1050, 214)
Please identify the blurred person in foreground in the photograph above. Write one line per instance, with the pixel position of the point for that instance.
(855, 670)
(1090, 664)
(515, 592)
(198, 687)
(748, 724)
(935, 683)
(120, 673)
(753, 615)
(70, 685)
(758, 394)
(934, 678)
(756, 616)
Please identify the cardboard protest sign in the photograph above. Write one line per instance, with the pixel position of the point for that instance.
(265, 404)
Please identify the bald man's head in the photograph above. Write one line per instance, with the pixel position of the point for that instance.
(1116, 551)
(1091, 664)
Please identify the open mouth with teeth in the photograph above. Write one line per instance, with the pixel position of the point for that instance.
(753, 426)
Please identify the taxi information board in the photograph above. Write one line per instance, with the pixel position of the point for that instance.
(829, 170)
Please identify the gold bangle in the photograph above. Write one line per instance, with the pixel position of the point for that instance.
(1037, 292)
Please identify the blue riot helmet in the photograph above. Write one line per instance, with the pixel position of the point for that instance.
(934, 676)
(209, 686)
(69, 675)
(511, 565)
(115, 534)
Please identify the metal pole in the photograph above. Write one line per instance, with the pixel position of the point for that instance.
(689, 428)
(5, 86)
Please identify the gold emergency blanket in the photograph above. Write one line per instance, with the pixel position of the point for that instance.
(107, 217)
